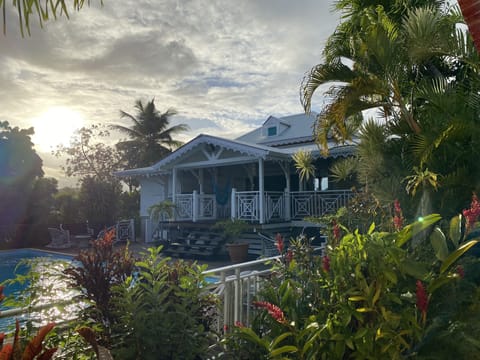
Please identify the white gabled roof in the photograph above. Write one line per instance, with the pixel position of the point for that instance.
(253, 150)
(296, 135)
(295, 129)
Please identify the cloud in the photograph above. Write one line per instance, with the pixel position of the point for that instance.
(224, 65)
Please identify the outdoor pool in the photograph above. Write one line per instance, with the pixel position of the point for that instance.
(45, 265)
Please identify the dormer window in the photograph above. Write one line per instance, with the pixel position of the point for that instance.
(272, 131)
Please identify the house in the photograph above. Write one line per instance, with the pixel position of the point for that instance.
(252, 178)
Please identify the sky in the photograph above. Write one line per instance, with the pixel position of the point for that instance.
(225, 66)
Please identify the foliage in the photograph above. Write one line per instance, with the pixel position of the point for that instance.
(304, 164)
(164, 311)
(150, 138)
(41, 202)
(99, 200)
(370, 297)
(408, 61)
(89, 154)
(161, 210)
(67, 207)
(33, 349)
(231, 228)
(43, 10)
(101, 268)
(19, 167)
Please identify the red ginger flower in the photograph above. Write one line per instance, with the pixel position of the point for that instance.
(279, 243)
(472, 214)
(398, 215)
(275, 312)
(337, 232)
(422, 299)
(326, 263)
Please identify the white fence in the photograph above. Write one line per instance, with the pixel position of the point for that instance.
(270, 207)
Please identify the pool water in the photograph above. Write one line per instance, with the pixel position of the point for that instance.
(11, 265)
(10, 259)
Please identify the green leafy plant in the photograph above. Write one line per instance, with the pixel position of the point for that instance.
(231, 228)
(164, 311)
(368, 297)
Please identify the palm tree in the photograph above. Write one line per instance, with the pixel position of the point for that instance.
(421, 72)
(385, 62)
(149, 138)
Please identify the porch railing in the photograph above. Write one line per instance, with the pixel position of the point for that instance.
(317, 203)
(195, 207)
(277, 205)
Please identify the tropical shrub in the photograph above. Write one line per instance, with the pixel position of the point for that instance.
(101, 267)
(370, 297)
(164, 311)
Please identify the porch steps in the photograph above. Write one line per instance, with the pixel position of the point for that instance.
(196, 242)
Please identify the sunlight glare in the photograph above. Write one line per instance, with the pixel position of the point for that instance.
(55, 127)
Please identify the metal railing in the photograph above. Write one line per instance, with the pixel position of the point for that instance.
(237, 287)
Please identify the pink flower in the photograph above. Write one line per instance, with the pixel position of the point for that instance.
(275, 312)
(326, 263)
(472, 214)
(279, 243)
(422, 299)
(239, 324)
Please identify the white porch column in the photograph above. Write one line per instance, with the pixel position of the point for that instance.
(200, 180)
(174, 188)
(233, 207)
(287, 197)
(195, 206)
(261, 190)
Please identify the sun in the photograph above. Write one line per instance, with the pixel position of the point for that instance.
(55, 127)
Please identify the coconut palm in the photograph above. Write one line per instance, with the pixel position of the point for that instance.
(421, 72)
(150, 138)
(385, 62)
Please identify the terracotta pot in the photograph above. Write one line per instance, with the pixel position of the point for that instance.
(238, 252)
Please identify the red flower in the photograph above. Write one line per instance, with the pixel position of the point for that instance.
(289, 256)
(239, 324)
(1, 293)
(337, 232)
(225, 328)
(460, 271)
(326, 263)
(472, 214)
(422, 299)
(398, 215)
(275, 312)
(279, 243)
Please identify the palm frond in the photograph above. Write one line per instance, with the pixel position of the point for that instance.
(323, 74)
(344, 169)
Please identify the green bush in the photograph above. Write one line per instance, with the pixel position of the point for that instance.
(370, 297)
(164, 311)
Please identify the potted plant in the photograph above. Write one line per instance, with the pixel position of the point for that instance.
(237, 249)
